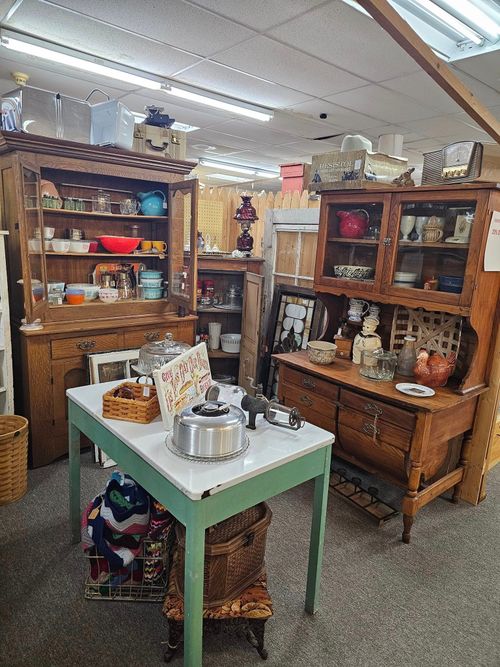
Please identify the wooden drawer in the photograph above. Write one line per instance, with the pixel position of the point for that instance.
(384, 431)
(326, 421)
(65, 348)
(375, 457)
(385, 412)
(154, 333)
(309, 382)
(308, 401)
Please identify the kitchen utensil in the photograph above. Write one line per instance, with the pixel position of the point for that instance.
(230, 342)
(234, 297)
(80, 247)
(124, 284)
(352, 272)
(152, 293)
(108, 294)
(377, 364)
(107, 280)
(101, 202)
(129, 206)
(159, 246)
(416, 390)
(452, 284)
(214, 329)
(90, 291)
(60, 245)
(151, 282)
(357, 309)
(225, 390)
(212, 431)
(321, 352)
(112, 268)
(120, 245)
(155, 354)
(281, 415)
(353, 224)
(152, 203)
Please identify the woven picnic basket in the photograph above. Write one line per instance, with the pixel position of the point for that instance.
(142, 409)
(13, 458)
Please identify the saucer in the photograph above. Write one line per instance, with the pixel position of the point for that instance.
(416, 390)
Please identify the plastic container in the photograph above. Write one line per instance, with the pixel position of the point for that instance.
(230, 342)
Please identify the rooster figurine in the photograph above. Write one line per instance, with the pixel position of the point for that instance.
(433, 370)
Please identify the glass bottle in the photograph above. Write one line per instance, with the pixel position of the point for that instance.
(407, 357)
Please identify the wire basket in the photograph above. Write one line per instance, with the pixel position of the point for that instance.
(13, 458)
(144, 580)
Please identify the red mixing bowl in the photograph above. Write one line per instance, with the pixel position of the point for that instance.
(120, 245)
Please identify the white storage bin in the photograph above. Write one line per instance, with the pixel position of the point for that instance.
(230, 342)
(112, 124)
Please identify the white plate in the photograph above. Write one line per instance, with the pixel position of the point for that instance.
(416, 390)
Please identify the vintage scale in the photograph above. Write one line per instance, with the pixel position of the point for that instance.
(462, 162)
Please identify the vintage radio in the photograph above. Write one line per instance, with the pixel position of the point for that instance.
(462, 162)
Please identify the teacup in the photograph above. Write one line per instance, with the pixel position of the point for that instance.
(156, 246)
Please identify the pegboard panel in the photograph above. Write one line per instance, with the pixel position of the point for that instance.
(210, 221)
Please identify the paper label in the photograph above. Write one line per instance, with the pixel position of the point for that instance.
(146, 392)
(492, 251)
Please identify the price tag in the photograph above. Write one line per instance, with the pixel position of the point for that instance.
(146, 392)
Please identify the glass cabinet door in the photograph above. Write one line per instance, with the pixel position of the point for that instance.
(433, 239)
(351, 232)
(182, 251)
(34, 271)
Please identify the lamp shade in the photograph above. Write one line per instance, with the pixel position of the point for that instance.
(245, 211)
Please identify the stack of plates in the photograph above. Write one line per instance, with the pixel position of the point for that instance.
(405, 279)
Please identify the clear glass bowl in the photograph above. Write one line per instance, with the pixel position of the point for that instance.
(378, 364)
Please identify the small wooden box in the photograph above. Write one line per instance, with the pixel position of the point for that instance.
(344, 347)
(142, 409)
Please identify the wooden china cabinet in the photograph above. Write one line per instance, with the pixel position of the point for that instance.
(51, 359)
(421, 444)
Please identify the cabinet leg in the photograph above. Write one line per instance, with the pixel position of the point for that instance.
(407, 524)
(464, 460)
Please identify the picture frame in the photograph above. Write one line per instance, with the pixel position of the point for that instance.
(106, 367)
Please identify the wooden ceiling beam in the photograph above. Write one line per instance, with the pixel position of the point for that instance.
(389, 19)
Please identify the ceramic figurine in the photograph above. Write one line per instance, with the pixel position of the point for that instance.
(367, 339)
(405, 179)
(433, 370)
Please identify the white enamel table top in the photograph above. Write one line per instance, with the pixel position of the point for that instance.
(270, 447)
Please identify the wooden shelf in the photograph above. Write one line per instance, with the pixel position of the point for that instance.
(101, 304)
(337, 239)
(107, 216)
(220, 354)
(442, 245)
(102, 254)
(200, 311)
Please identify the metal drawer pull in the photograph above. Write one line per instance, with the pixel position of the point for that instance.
(307, 382)
(86, 345)
(306, 400)
(370, 429)
(152, 335)
(372, 409)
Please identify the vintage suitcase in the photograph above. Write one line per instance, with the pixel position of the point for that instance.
(234, 554)
(159, 141)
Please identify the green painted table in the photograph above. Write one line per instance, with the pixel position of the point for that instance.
(200, 495)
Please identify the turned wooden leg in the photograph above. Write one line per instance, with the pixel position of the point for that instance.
(175, 631)
(407, 524)
(255, 636)
(464, 460)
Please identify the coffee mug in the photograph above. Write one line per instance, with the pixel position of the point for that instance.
(161, 246)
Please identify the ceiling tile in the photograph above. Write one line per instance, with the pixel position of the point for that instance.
(222, 79)
(313, 147)
(5, 6)
(264, 13)
(301, 125)
(84, 34)
(342, 118)
(346, 38)
(442, 126)
(281, 64)
(381, 103)
(255, 132)
(216, 138)
(422, 88)
(485, 68)
(486, 94)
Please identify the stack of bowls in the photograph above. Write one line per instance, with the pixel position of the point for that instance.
(75, 296)
(405, 279)
(90, 291)
(151, 282)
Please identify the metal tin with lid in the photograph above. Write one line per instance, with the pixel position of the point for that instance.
(155, 354)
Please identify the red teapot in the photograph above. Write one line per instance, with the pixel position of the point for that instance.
(353, 224)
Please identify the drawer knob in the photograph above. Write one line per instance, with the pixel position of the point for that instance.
(152, 335)
(306, 400)
(372, 409)
(86, 345)
(370, 429)
(307, 382)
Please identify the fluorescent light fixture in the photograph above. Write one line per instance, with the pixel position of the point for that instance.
(226, 177)
(180, 127)
(449, 20)
(227, 167)
(267, 174)
(218, 102)
(78, 63)
(473, 14)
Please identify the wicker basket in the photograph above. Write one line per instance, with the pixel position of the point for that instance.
(234, 554)
(437, 331)
(13, 458)
(142, 410)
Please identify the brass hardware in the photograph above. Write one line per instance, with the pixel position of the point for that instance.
(152, 335)
(307, 382)
(306, 400)
(372, 409)
(387, 241)
(370, 429)
(86, 345)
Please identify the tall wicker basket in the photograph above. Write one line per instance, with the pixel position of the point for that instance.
(13, 458)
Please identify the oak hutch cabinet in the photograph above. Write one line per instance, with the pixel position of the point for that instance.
(52, 358)
(421, 444)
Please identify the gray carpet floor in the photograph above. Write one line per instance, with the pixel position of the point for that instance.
(434, 602)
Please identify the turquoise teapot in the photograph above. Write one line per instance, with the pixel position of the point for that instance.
(152, 203)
